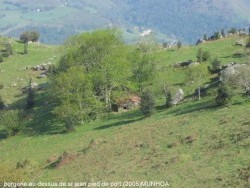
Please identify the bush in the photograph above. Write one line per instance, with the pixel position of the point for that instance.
(223, 95)
(206, 56)
(10, 120)
(168, 100)
(215, 66)
(2, 105)
(202, 55)
(248, 43)
(179, 44)
(1, 86)
(8, 49)
(147, 103)
(1, 58)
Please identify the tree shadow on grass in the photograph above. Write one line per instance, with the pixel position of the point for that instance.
(42, 121)
(39, 120)
(123, 122)
(3, 135)
(194, 107)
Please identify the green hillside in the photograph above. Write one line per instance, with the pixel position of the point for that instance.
(193, 144)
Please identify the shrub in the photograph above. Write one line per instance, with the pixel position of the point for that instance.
(248, 43)
(217, 35)
(206, 56)
(1, 58)
(1, 103)
(1, 86)
(147, 103)
(223, 95)
(179, 44)
(203, 55)
(10, 120)
(168, 100)
(8, 49)
(215, 66)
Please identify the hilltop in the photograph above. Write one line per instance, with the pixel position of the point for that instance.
(193, 144)
(184, 20)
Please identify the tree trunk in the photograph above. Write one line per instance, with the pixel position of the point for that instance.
(108, 98)
(199, 93)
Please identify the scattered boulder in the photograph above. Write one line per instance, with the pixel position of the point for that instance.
(179, 96)
(228, 65)
(230, 35)
(240, 43)
(193, 64)
(42, 67)
(34, 85)
(243, 33)
(230, 70)
(42, 75)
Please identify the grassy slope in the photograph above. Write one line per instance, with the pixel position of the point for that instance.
(13, 73)
(191, 145)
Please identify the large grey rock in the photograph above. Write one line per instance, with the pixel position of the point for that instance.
(34, 85)
(179, 96)
(193, 64)
(230, 70)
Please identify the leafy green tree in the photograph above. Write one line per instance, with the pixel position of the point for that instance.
(144, 66)
(223, 95)
(73, 91)
(29, 36)
(147, 105)
(105, 56)
(197, 75)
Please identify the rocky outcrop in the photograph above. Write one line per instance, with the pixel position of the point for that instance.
(178, 97)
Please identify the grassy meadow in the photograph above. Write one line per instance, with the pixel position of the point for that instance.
(194, 144)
